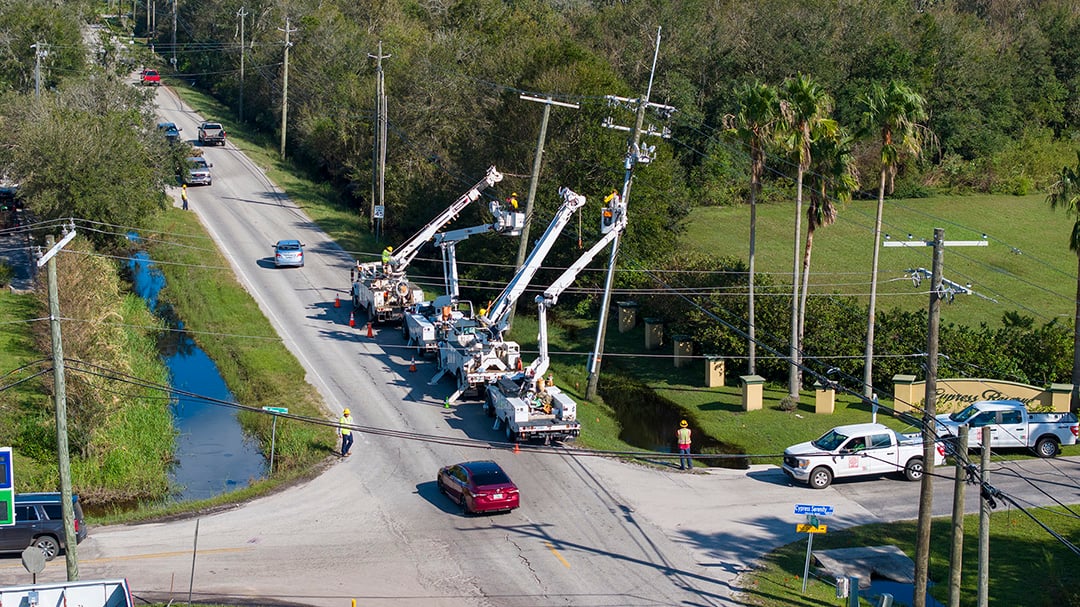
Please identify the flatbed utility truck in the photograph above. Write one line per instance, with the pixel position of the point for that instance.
(384, 291)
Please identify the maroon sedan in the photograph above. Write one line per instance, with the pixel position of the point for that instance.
(479, 487)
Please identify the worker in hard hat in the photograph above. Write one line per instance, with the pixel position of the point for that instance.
(345, 430)
(682, 436)
(387, 255)
(513, 201)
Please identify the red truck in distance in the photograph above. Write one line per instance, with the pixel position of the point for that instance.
(150, 77)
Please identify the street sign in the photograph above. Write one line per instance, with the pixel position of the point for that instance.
(281, 410)
(379, 212)
(7, 488)
(815, 510)
(804, 528)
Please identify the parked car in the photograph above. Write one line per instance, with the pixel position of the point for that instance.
(479, 487)
(198, 172)
(289, 253)
(170, 130)
(858, 450)
(1013, 426)
(39, 521)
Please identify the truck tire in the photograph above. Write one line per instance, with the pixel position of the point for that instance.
(511, 436)
(913, 470)
(820, 477)
(49, 545)
(1046, 446)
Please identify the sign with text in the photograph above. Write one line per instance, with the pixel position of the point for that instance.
(804, 528)
(809, 509)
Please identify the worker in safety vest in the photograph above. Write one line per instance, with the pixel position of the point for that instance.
(682, 436)
(345, 430)
(386, 256)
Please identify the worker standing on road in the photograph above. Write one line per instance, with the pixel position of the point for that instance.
(345, 430)
(183, 195)
(682, 436)
(386, 257)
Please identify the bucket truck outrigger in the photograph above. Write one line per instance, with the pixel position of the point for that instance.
(523, 402)
(472, 350)
(421, 320)
(383, 291)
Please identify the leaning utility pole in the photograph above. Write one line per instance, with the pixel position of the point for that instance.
(635, 153)
(285, 87)
(956, 554)
(984, 523)
(523, 244)
(378, 166)
(60, 399)
(241, 13)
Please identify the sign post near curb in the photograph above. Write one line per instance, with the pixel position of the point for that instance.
(810, 527)
(274, 411)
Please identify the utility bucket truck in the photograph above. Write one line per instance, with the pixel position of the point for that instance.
(423, 320)
(523, 402)
(472, 350)
(383, 291)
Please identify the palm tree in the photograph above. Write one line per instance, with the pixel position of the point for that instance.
(759, 109)
(1066, 194)
(835, 177)
(805, 108)
(892, 114)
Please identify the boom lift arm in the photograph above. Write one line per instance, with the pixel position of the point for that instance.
(612, 223)
(498, 317)
(507, 223)
(404, 255)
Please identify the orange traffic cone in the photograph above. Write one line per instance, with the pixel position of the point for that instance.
(369, 333)
(412, 366)
(517, 449)
(352, 320)
(337, 302)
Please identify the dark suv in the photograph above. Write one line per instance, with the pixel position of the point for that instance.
(39, 521)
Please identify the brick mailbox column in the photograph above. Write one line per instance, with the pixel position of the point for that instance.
(824, 398)
(714, 372)
(654, 333)
(1060, 397)
(627, 316)
(684, 350)
(753, 388)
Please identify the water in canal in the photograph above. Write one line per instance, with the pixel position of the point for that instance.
(213, 455)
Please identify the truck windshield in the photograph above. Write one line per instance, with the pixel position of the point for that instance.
(964, 415)
(830, 441)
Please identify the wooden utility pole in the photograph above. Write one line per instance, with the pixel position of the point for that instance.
(635, 154)
(240, 108)
(378, 165)
(60, 400)
(285, 88)
(984, 523)
(929, 432)
(523, 244)
(174, 34)
(40, 51)
(956, 556)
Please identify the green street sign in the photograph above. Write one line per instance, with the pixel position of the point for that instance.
(281, 410)
(7, 488)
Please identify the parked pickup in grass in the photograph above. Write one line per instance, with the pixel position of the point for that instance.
(857, 450)
(1013, 426)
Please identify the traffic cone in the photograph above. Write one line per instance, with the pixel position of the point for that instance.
(412, 366)
(337, 301)
(352, 320)
(369, 333)
(517, 449)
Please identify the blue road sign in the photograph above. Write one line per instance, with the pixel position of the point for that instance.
(808, 509)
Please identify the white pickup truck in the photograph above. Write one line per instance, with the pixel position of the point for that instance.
(857, 450)
(1013, 426)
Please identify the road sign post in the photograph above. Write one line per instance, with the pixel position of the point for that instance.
(274, 411)
(812, 526)
(7, 488)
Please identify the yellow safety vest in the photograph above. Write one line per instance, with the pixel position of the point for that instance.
(344, 422)
(683, 435)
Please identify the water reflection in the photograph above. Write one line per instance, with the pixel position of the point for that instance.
(213, 455)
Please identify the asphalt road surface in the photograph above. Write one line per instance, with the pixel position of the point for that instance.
(373, 527)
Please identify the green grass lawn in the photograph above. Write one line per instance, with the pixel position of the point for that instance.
(1038, 278)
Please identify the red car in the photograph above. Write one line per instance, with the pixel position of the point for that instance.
(479, 487)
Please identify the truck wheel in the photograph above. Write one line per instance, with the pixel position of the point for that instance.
(913, 471)
(1046, 447)
(820, 477)
(511, 437)
(489, 406)
(49, 545)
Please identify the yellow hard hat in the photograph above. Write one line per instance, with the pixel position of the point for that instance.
(683, 424)
(389, 248)
(346, 412)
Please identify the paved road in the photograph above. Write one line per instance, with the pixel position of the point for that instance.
(592, 531)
